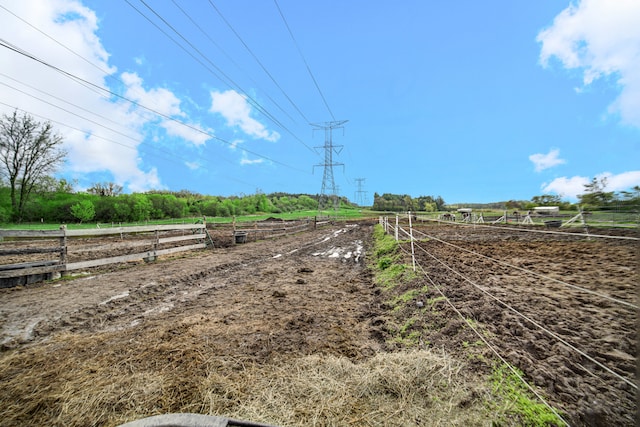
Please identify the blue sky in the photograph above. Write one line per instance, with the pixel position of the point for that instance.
(472, 101)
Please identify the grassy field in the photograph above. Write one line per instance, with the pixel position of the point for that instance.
(599, 218)
(342, 214)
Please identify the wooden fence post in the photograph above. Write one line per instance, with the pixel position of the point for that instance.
(63, 245)
(156, 244)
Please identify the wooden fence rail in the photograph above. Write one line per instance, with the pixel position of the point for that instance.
(241, 230)
(29, 272)
(64, 242)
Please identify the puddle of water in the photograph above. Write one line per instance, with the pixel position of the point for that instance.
(115, 297)
(160, 309)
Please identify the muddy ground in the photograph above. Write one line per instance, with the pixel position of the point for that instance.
(264, 283)
(311, 293)
(528, 292)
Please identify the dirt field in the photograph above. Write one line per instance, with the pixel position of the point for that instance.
(103, 343)
(540, 285)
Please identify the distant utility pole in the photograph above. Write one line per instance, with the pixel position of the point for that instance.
(360, 194)
(329, 189)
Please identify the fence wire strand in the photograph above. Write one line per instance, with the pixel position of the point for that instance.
(527, 318)
(508, 306)
(489, 345)
(533, 273)
(529, 230)
(530, 320)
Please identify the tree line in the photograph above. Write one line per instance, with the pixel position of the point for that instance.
(595, 197)
(30, 153)
(403, 202)
(61, 206)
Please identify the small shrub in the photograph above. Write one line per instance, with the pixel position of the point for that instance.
(385, 262)
(521, 403)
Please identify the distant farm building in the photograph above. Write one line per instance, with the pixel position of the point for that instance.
(547, 210)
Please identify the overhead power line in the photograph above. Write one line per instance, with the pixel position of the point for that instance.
(257, 60)
(217, 45)
(222, 76)
(170, 156)
(56, 41)
(54, 97)
(315, 82)
(77, 79)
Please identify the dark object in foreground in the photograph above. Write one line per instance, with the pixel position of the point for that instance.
(190, 420)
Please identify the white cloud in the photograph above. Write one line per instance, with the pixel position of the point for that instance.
(160, 99)
(237, 112)
(166, 103)
(74, 26)
(575, 186)
(193, 165)
(246, 161)
(105, 135)
(234, 144)
(192, 133)
(601, 38)
(546, 161)
(622, 181)
(89, 154)
(566, 187)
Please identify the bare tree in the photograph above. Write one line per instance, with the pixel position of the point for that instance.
(107, 189)
(29, 152)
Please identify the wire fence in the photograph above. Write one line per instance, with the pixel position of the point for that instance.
(416, 237)
(612, 216)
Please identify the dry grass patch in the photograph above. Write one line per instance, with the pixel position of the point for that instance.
(96, 380)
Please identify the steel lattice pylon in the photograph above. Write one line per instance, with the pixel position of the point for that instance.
(329, 189)
(360, 193)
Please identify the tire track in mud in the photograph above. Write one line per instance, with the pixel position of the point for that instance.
(129, 306)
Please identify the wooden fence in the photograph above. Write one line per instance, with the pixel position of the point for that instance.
(270, 228)
(146, 242)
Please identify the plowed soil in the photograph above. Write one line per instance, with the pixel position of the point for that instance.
(561, 308)
(312, 294)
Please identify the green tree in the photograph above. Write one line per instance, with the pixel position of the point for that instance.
(513, 204)
(121, 211)
(595, 196)
(50, 184)
(307, 202)
(165, 205)
(429, 207)
(140, 207)
(546, 200)
(83, 210)
(29, 152)
(228, 208)
(5, 205)
(631, 197)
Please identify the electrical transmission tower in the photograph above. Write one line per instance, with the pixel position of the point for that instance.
(329, 190)
(360, 193)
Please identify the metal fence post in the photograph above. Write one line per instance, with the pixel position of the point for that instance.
(396, 233)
